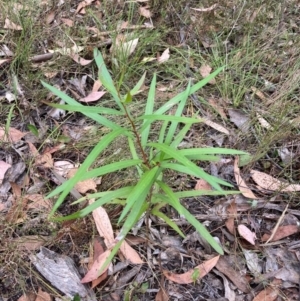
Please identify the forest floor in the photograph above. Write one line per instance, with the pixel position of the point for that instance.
(253, 105)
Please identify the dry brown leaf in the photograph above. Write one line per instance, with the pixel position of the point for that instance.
(162, 294)
(97, 85)
(263, 122)
(217, 107)
(247, 234)
(206, 9)
(11, 25)
(31, 242)
(205, 71)
(186, 278)
(145, 12)
(244, 189)
(82, 186)
(105, 230)
(202, 185)
(93, 272)
(266, 181)
(164, 56)
(50, 17)
(93, 96)
(270, 293)
(98, 250)
(30, 296)
(232, 211)
(282, 231)
(215, 126)
(13, 135)
(130, 254)
(38, 201)
(68, 22)
(225, 267)
(81, 61)
(42, 296)
(3, 168)
(259, 94)
(3, 61)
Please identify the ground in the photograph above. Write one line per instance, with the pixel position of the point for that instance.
(252, 105)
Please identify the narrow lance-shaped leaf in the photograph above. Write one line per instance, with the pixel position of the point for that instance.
(105, 78)
(122, 192)
(199, 227)
(102, 144)
(187, 163)
(140, 191)
(149, 110)
(100, 119)
(193, 172)
(174, 124)
(86, 109)
(173, 101)
(97, 172)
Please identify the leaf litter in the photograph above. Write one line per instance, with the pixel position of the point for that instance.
(23, 196)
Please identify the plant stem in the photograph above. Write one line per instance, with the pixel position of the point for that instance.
(138, 140)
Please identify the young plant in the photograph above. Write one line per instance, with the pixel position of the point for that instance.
(151, 158)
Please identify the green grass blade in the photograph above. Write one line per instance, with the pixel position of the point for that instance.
(106, 79)
(108, 197)
(180, 136)
(168, 221)
(149, 110)
(190, 165)
(173, 199)
(188, 171)
(69, 100)
(138, 86)
(140, 192)
(174, 124)
(84, 109)
(102, 144)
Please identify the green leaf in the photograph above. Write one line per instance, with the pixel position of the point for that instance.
(173, 101)
(149, 110)
(85, 109)
(187, 170)
(172, 118)
(128, 98)
(174, 124)
(139, 192)
(193, 168)
(108, 197)
(211, 151)
(106, 79)
(100, 119)
(134, 155)
(33, 130)
(193, 193)
(173, 199)
(162, 132)
(180, 136)
(97, 172)
(137, 87)
(168, 221)
(102, 144)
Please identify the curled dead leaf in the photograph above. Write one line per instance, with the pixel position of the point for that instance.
(247, 234)
(203, 269)
(244, 189)
(266, 181)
